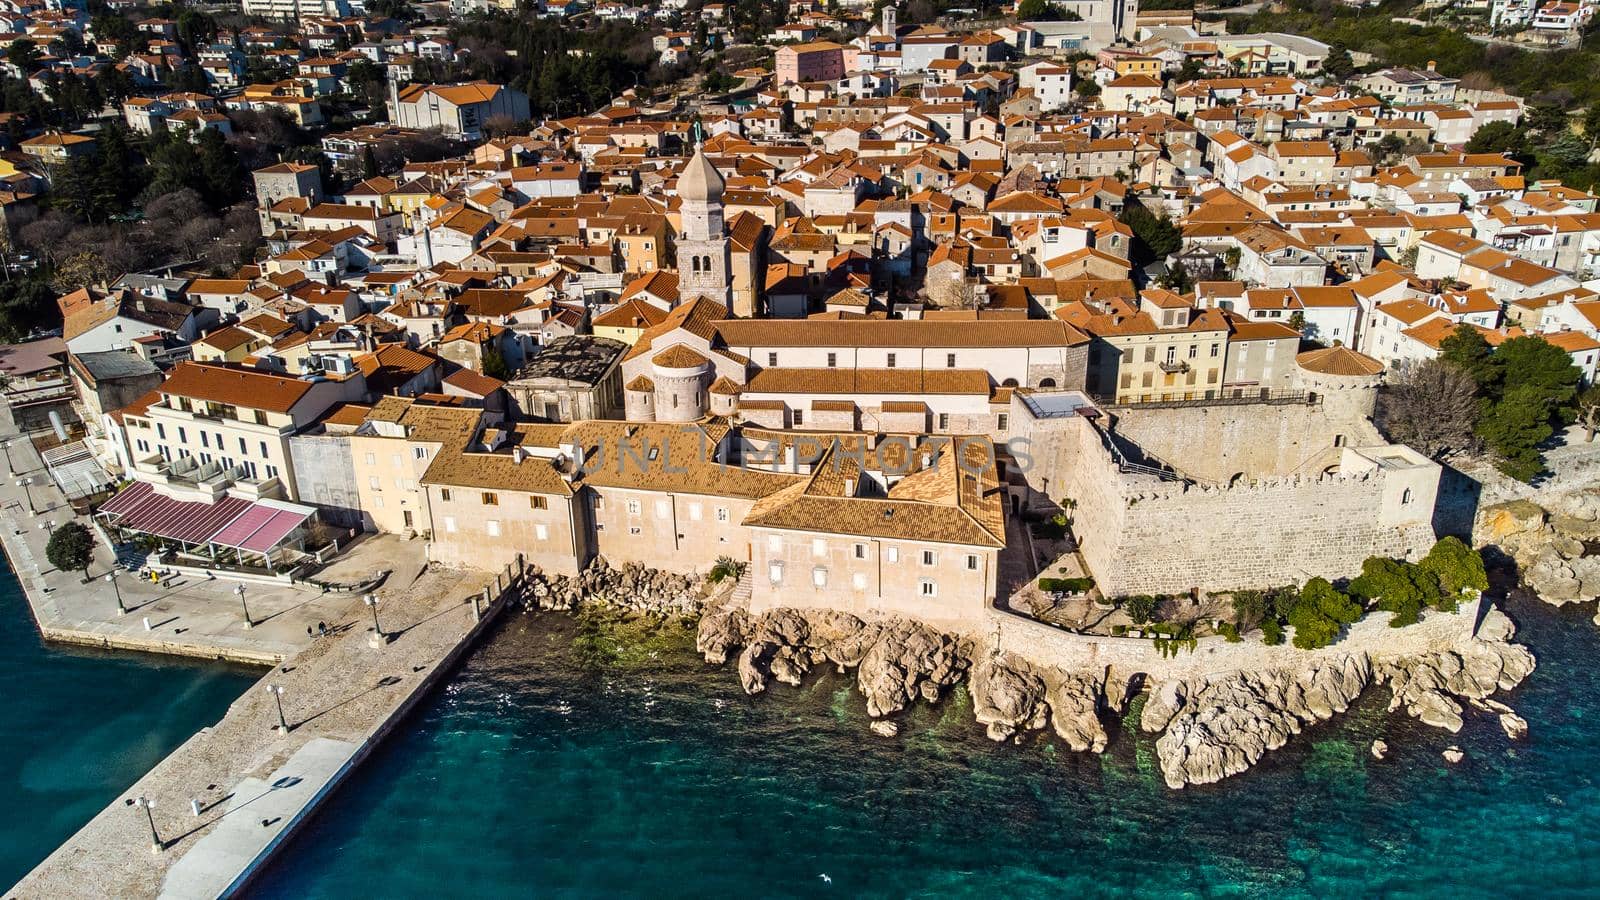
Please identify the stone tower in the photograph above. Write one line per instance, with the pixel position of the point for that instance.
(889, 24)
(702, 247)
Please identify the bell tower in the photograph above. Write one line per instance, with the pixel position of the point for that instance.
(702, 247)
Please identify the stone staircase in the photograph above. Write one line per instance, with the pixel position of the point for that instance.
(131, 558)
(741, 591)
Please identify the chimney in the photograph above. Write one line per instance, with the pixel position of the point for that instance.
(1432, 66)
(516, 456)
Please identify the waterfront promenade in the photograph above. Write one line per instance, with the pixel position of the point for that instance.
(254, 784)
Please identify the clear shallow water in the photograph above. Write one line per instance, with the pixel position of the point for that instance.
(532, 775)
(79, 726)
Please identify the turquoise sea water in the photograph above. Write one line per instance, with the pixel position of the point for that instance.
(78, 726)
(532, 775)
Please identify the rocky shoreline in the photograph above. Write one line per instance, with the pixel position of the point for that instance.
(1209, 727)
(1549, 543)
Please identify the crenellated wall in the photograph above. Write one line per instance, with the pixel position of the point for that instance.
(1140, 534)
(1219, 443)
(1044, 645)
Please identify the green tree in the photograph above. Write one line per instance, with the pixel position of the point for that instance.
(1249, 608)
(1338, 63)
(24, 54)
(1319, 613)
(1591, 123)
(1157, 237)
(1037, 11)
(494, 364)
(1467, 350)
(194, 29)
(1396, 586)
(1514, 428)
(1532, 361)
(1536, 392)
(221, 176)
(71, 548)
(1140, 608)
(1497, 137)
(1548, 119)
(1457, 567)
(26, 304)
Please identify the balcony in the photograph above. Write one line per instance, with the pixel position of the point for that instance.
(1177, 367)
(34, 393)
(186, 478)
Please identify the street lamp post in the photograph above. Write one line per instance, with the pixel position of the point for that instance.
(238, 591)
(149, 805)
(48, 527)
(276, 690)
(372, 603)
(10, 466)
(111, 576)
(26, 485)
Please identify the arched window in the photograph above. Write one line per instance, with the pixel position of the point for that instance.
(1009, 382)
(1047, 382)
(1405, 497)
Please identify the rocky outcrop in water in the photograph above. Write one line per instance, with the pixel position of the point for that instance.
(1548, 543)
(1222, 725)
(1430, 687)
(1210, 727)
(632, 587)
(896, 661)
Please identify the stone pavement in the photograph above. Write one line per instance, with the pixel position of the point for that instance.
(188, 615)
(341, 696)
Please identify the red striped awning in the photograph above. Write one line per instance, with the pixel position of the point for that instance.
(260, 529)
(229, 521)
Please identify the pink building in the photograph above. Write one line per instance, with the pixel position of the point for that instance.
(818, 61)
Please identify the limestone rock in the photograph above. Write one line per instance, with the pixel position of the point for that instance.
(1436, 709)
(1379, 749)
(1426, 685)
(752, 666)
(884, 728)
(1221, 725)
(1501, 521)
(1496, 626)
(789, 665)
(908, 660)
(1075, 702)
(1583, 506)
(1553, 579)
(1452, 754)
(1515, 726)
(721, 633)
(1007, 697)
(1164, 702)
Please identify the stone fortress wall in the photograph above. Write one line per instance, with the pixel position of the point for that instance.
(1219, 444)
(1046, 645)
(1139, 533)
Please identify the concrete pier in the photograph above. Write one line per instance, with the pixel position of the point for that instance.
(256, 785)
